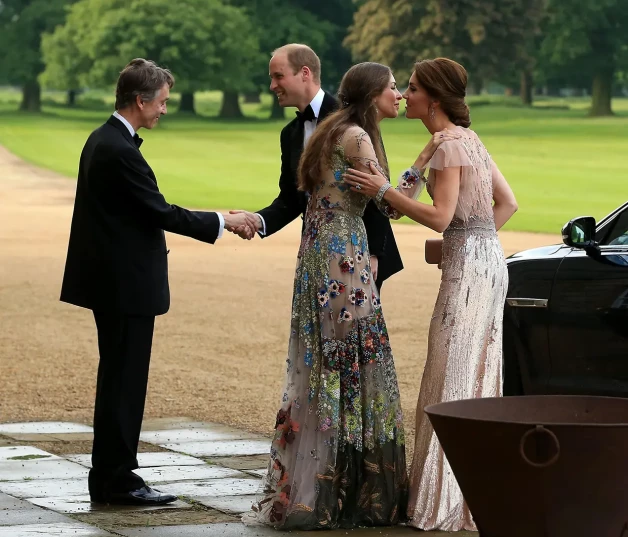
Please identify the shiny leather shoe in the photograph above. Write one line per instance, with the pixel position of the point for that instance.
(141, 496)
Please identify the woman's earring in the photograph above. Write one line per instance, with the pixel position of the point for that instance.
(432, 114)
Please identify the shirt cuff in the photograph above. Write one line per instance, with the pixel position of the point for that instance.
(221, 218)
(262, 231)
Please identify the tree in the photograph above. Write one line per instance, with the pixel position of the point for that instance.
(589, 35)
(337, 16)
(488, 37)
(65, 62)
(22, 23)
(205, 43)
(277, 23)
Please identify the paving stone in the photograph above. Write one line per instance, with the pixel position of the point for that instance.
(234, 505)
(30, 516)
(221, 448)
(41, 469)
(250, 462)
(173, 436)
(9, 453)
(29, 438)
(76, 529)
(45, 488)
(82, 504)
(114, 520)
(159, 424)
(74, 437)
(83, 459)
(212, 487)
(258, 473)
(237, 529)
(165, 474)
(148, 460)
(43, 427)
(9, 502)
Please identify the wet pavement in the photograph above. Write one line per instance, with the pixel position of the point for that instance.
(214, 469)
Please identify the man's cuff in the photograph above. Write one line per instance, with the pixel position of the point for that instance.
(262, 230)
(221, 219)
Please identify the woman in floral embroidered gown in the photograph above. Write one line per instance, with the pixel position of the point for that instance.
(464, 357)
(338, 455)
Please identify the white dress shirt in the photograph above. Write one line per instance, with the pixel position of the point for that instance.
(308, 130)
(124, 121)
(309, 126)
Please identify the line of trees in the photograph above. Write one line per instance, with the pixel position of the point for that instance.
(549, 43)
(225, 44)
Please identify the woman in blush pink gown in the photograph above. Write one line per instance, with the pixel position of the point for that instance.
(465, 337)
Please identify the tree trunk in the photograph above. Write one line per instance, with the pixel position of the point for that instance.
(187, 102)
(252, 97)
(31, 97)
(277, 112)
(477, 85)
(230, 105)
(526, 87)
(71, 98)
(601, 93)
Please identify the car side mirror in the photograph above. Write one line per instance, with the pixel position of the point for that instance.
(580, 233)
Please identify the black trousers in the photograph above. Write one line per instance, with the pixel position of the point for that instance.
(124, 344)
(378, 285)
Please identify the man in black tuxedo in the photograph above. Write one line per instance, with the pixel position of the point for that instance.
(117, 267)
(295, 78)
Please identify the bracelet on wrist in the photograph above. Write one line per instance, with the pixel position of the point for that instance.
(382, 191)
(419, 173)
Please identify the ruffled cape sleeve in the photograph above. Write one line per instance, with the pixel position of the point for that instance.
(450, 154)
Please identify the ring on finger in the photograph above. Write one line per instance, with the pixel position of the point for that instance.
(358, 187)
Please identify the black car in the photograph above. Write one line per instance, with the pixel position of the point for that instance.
(566, 312)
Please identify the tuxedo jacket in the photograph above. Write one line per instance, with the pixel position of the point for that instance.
(291, 202)
(117, 256)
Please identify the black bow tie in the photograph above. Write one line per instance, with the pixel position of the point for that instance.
(138, 141)
(306, 115)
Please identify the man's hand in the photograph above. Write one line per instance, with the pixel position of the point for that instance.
(242, 223)
(374, 266)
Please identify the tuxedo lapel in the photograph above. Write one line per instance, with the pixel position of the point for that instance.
(296, 145)
(115, 122)
(330, 104)
(121, 127)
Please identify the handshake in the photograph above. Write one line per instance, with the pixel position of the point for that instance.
(243, 223)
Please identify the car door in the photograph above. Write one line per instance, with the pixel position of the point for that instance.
(588, 335)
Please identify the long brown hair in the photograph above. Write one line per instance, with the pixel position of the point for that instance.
(446, 81)
(360, 85)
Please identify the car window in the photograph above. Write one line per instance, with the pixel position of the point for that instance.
(617, 234)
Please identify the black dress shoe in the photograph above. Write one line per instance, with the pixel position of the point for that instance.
(141, 496)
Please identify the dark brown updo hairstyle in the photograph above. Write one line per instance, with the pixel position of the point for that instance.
(446, 82)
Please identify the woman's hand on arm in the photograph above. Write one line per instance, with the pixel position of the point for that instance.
(365, 183)
(428, 151)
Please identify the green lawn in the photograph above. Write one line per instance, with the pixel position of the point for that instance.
(560, 163)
